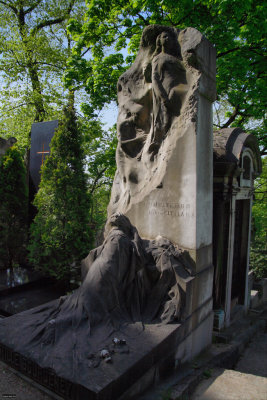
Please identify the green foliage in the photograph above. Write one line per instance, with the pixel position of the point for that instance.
(207, 373)
(258, 252)
(34, 48)
(60, 233)
(101, 171)
(237, 28)
(13, 207)
(166, 395)
(100, 147)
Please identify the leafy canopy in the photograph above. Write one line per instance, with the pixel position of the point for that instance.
(237, 28)
(34, 47)
(259, 223)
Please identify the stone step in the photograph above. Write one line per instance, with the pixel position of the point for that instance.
(254, 299)
(229, 384)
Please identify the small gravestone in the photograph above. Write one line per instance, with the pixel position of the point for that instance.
(22, 289)
(5, 144)
(41, 135)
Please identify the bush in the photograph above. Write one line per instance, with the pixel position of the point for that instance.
(60, 233)
(258, 249)
(13, 207)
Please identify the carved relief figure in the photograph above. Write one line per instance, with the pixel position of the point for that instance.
(150, 93)
(167, 74)
(134, 119)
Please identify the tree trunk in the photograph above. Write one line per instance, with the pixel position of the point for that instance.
(37, 93)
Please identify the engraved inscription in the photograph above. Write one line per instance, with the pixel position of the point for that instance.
(170, 208)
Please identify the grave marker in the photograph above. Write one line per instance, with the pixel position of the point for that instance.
(41, 136)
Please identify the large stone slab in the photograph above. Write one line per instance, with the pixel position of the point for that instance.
(164, 176)
(228, 384)
(29, 295)
(15, 277)
(149, 355)
(41, 135)
(144, 349)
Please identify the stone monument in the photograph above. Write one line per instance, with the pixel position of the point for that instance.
(5, 144)
(145, 303)
(164, 179)
(41, 135)
(164, 157)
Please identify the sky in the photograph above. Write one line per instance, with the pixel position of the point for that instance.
(109, 115)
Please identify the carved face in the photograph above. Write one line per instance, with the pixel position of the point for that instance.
(120, 221)
(164, 38)
(165, 41)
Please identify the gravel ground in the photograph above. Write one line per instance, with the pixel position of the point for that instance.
(14, 387)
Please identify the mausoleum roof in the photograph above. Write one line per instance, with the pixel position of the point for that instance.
(230, 143)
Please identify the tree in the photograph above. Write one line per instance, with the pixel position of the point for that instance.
(60, 233)
(238, 29)
(259, 243)
(34, 48)
(100, 147)
(13, 207)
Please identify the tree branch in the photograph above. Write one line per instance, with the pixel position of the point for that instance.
(99, 175)
(228, 51)
(251, 48)
(55, 21)
(18, 106)
(9, 6)
(50, 65)
(143, 19)
(86, 51)
(71, 4)
(47, 23)
(263, 152)
(232, 117)
(30, 9)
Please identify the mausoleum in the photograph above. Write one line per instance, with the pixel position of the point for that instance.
(237, 163)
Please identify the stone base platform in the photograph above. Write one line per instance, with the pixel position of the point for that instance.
(107, 380)
(148, 355)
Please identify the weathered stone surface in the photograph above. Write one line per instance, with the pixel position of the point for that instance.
(164, 157)
(129, 283)
(147, 348)
(229, 384)
(41, 136)
(5, 144)
(228, 145)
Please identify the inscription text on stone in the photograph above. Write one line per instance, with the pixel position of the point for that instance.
(169, 208)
